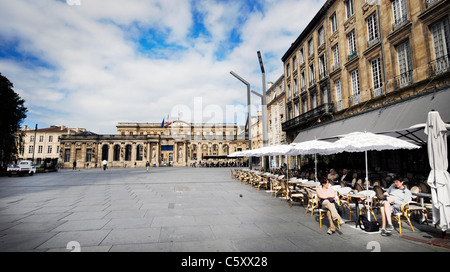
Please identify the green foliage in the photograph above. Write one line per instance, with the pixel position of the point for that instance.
(12, 114)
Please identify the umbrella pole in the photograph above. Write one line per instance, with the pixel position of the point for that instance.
(315, 164)
(367, 185)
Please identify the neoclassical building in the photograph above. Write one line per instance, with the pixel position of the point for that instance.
(178, 144)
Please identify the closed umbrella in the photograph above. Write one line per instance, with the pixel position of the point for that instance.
(439, 178)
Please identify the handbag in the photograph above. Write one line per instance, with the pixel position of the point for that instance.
(369, 226)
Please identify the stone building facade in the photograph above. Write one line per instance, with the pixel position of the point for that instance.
(358, 55)
(135, 144)
(43, 145)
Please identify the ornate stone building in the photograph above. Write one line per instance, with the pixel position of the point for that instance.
(177, 144)
(359, 56)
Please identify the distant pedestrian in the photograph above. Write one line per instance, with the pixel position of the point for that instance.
(147, 165)
(104, 164)
(74, 165)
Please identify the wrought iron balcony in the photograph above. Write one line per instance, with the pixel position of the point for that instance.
(308, 116)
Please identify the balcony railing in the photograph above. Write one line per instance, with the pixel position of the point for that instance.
(431, 2)
(403, 79)
(398, 22)
(356, 99)
(308, 116)
(378, 91)
(440, 65)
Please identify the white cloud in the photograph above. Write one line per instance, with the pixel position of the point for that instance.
(83, 66)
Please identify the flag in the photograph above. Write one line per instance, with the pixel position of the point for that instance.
(162, 124)
(168, 120)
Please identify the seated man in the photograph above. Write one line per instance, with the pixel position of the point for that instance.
(327, 198)
(396, 196)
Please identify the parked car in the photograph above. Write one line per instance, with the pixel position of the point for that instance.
(22, 168)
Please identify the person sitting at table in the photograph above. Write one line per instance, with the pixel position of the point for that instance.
(327, 200)
(396, 196)
(333, 176)
(346, 175)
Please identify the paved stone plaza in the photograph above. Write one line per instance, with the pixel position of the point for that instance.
(169, 210)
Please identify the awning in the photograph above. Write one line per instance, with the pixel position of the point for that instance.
(394, 120)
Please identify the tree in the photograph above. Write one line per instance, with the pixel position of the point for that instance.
(12, 114)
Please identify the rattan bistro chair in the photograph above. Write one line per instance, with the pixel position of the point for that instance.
(406, 213)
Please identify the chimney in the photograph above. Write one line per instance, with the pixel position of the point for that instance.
(269, 85)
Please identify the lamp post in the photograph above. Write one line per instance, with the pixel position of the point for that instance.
(264, 108)
(248, 114)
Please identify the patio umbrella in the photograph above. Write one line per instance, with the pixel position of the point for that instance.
(314, 147)
(439, 178)
(366, 141)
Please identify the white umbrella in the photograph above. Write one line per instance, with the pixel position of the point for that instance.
(274, 150)
(439, 178)
(313, 147)
(366, 141)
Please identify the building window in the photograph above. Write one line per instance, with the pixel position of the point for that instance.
(41, 139)
(321, 36)
(333, 21)
(322, 67)
(313, 100)
(335, 50)
(294, 63)
(349, 8)
(404, 64)
(40, 149)
(30, 149)
(50, 139)
(88, 154)
(296, 109)
(303, 81)
(302, 57)
(440, 32)
(105, 149)
(351, 44)
(312, 77)
(128, 153)
(372, 29)
(288, 70)
(355, 86)
(399, 11)
(49, 150)
(337, 88)
(67, 155)
(376, 77)
(139, 153)
(31, 139)
(304, 104)
(116, 153)
(310, 47)
(295, 87)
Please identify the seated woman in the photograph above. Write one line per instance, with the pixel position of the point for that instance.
(396, 196)
(333, 176)
(327, 198)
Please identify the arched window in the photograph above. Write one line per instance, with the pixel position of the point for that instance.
(139, 152)
(128, 153)
(116, 156)
(105, 149)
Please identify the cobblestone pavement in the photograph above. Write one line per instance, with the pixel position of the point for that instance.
(172, 210)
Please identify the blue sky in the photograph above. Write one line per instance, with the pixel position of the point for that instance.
(94, 63)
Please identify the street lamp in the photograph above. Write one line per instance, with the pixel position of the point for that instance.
(264, 107)
(248, 114)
